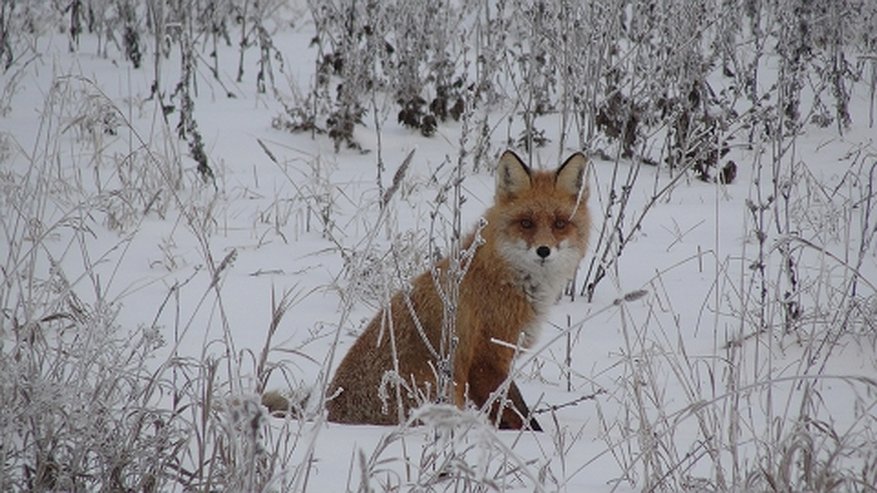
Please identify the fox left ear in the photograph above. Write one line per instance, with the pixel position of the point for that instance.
(570, 177)
(512, 175)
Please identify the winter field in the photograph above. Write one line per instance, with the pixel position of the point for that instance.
(205, 200)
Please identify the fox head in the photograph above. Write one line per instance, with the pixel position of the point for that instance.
(540, 223)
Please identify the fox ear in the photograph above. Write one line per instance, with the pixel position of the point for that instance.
(570, 177)
(512, 175)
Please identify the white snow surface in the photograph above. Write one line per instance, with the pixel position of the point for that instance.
(693, 255)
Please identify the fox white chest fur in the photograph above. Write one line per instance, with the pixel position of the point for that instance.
(542, 279)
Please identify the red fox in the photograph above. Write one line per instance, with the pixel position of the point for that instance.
(535, 236)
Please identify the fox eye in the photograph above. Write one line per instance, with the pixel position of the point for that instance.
(527, 223)
(560, 223)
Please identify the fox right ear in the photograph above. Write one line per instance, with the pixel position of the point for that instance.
(571, 176)
(512, 175)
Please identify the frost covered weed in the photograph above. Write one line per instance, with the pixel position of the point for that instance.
(80, 407)
(110, 168)
(372, 272)
(80, 410)
(761, 412)
(458, 451)
(89, 403)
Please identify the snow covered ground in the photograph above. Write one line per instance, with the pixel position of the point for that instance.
(730, 345)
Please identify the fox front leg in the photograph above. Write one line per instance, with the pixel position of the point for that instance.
(520, 407)
(484, 380)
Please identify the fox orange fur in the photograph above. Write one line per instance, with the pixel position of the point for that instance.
(535, 236)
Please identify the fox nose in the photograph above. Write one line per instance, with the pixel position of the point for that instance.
(543, 251)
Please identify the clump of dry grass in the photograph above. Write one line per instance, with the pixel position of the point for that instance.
(90, 403)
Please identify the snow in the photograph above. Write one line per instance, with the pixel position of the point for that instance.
(208, 268)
